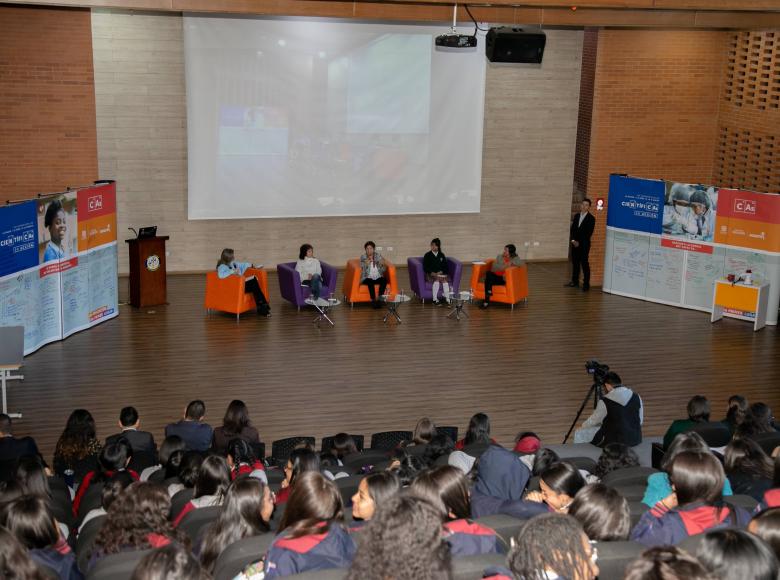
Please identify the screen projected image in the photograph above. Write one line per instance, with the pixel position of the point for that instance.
(305, 117)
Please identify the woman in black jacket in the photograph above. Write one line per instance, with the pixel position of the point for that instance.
(435, 268)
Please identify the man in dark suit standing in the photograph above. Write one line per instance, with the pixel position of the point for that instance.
(194, 432)
(140, 441)
(12, 448)
(579, 235)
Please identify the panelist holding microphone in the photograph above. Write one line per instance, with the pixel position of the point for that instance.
(579, 237)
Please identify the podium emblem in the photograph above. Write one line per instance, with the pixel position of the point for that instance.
(153, 263)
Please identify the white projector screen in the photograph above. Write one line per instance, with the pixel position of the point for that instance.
(310, 117)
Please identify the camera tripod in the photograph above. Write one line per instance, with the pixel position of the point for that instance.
(595, 390)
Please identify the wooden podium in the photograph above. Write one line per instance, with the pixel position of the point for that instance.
(148, 281)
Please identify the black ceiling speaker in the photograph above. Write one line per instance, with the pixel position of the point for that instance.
(506, 44)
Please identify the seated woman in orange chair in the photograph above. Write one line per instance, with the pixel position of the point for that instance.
(496, 275)
(372, 272)
(227, 266)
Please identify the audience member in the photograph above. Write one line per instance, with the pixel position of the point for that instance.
(112, 489)
(11, 447)
(172, 562)
(300, 461)
(735, 413)
(210, 487)
(140, 441)
(247, 510)
(373, 491)
(29, 519)
(77, 449)
(766, 525)
(772, 496)
(169, 445)
(501, 478)
(235, 424)
(137, 520)
(527, 443)
(32, 477)
(758, 420)
(188, 471)
(403, 542)
(615, 456)
(424, 431)
(543, 458)
(552, 546)
(172, 475)
(447, 488)
(407, 468)
(15, 560)
(698, 413)
(242, 461)
(477, 437)
(311, 535)
(618, 416)
(737, 554)
(113, 459)
(440, 445)
(749, 469)
(196, 434)
(343, 445)
(696, 504)
(666, 563)
(658, 485)
(559, 484)
(603, 513)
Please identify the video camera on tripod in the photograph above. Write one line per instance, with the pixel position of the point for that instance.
(599, 372)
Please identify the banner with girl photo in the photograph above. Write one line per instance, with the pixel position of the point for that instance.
(58, 263)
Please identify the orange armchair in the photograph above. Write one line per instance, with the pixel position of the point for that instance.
(227, 294)
(354, 291)
(516, 288)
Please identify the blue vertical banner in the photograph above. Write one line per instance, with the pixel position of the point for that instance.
(18, 238)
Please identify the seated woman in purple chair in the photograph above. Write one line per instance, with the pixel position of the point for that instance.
(227, 266)
(310, 270)
(435, 268)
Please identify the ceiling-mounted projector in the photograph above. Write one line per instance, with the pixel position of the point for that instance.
(456, 40)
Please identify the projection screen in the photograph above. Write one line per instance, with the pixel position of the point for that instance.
(314, 117)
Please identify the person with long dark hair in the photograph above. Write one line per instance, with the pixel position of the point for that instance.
(696, 504)
(247, 510)
(227, 266)
(343, 445)
(373, 491)
(311, 532)
(666, 563)
(78, 448)
(112, 489)
(558, 484)
(28, 518)
(310, 270)
(495, 277)
(299, 462)
(169, 445)
(403, 541)
(737, 554)
(748, 468)
(603, 513)
(435, 268)
(615, 456)
(242, 461)
(766, 525)
(735, 412)
(758, 420)
(477, 433)
(772, 496)
(15, 560)
(210, 487)
(235, 424)
(446, 488)
(172, 562)
(137, 520)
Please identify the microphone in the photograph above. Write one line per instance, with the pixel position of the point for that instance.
(133, 230)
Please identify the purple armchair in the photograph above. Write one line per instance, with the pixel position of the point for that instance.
(293, 291)
(423, 288)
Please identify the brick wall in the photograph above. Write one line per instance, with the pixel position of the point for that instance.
(47, 101)
(655, 111)
(585, 116)
(527, 169)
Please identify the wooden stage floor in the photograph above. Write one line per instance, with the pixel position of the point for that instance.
(525, 368)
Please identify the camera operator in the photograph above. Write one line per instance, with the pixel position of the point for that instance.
(617, 418)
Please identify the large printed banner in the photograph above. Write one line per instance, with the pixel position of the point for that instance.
(58, 264)
(668, 242)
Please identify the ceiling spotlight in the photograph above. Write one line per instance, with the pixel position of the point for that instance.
(281, 42)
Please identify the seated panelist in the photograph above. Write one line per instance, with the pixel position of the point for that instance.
(495, 277)
(435, 268)
(372, 272)
(310, 270)
(227, 266)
